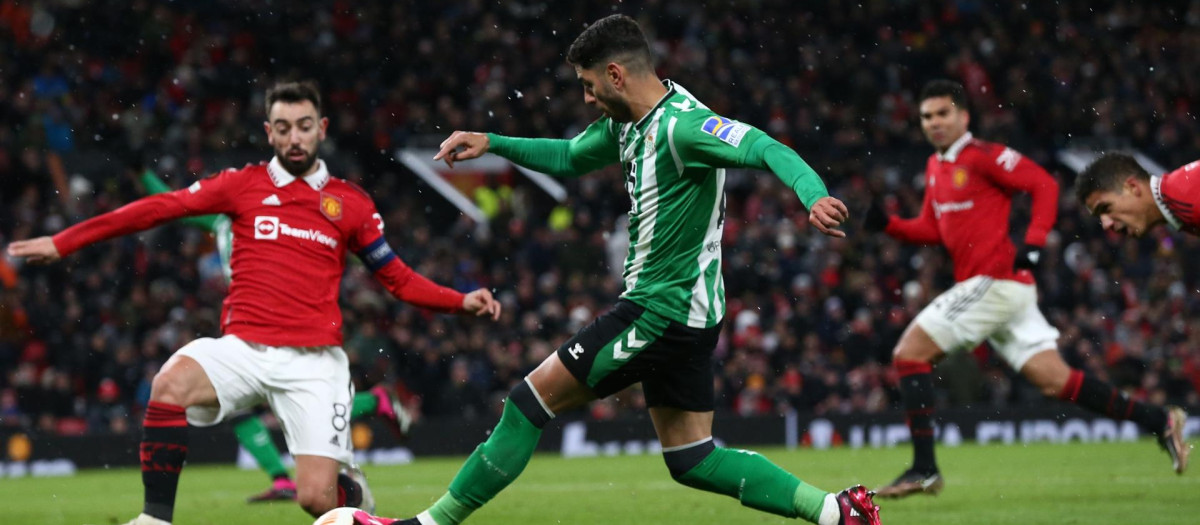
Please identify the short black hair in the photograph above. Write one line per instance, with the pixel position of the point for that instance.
(943, 87)
(293, 92)
(612, 38)
(1108, 173)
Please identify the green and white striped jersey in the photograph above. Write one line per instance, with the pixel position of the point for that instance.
(674, 162)
(223, 232)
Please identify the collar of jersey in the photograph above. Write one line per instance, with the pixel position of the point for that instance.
(649, 114)
(1156, 190)
(951, 154)
(281, 177)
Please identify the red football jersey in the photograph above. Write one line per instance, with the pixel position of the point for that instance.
(1178, 196)
(968, 199)
(290, 240)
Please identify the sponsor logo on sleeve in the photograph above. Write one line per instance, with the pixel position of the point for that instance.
(729, 131)
(1008, 159)
(195, 187)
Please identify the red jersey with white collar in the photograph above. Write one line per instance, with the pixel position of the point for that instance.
(968, 199)
(1178, 196)
(291, 238)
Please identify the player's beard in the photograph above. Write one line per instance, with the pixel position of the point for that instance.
(614, 107)
(297, 168)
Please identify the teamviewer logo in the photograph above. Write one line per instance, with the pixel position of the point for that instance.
(266, 228)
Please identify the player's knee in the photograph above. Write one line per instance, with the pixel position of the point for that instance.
(168, 387)
(681, 461)
(531, 406)
(1049, 390)
(1047, 372)
(917, 345)
(905, 351)
(1047, 381)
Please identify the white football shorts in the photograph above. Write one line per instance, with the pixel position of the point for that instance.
(1003, 312)
(309, 390)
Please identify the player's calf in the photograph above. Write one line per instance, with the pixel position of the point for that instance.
(1172, 439)
(316, 500)
(759, 484)
(1047, 371)
(316, 483)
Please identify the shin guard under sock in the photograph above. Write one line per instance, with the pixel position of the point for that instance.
(162, 453)
(916, 390)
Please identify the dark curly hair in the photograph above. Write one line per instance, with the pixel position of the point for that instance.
(1107, 173)
(293, 92)
(945, 88)
(616, 38)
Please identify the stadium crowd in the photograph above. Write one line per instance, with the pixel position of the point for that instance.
(811, 321)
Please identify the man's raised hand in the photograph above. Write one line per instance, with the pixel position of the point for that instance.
(473, 146)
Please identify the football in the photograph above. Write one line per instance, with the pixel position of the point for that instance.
(338, 516)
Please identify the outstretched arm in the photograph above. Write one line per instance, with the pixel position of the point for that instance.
(826, 213)
(587, 152)
(406, 284)
(212, 195)
(714, 141)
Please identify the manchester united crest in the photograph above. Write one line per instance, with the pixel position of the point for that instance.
(331, 206)
(960, 178)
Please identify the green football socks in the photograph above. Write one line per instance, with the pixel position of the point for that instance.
(493, 465)
(254, 437)
(364, 404)
(496, 462)
(757, 483)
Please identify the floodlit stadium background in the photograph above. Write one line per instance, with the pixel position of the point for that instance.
(92, 93)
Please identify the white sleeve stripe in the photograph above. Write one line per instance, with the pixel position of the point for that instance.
(671, 145)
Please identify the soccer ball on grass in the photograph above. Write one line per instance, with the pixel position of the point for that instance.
(338, 516)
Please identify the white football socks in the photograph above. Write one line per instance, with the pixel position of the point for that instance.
(830, 514)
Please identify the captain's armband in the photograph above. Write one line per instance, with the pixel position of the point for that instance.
(377, 254)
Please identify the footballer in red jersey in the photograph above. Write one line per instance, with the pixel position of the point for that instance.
(293, 224)
(1129, 201)
(966, 208)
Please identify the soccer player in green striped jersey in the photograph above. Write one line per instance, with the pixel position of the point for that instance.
(662, 331)
(251, 433)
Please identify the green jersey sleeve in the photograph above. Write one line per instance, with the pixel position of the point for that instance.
(710, 140)
(155, 185)
(591, 150)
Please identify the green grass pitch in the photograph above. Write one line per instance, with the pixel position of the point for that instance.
(1092, 484)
